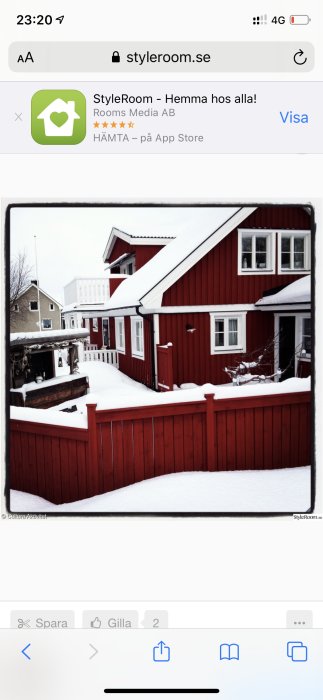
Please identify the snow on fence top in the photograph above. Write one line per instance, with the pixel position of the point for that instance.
(298, 292)
(112, 398)
(130, 291)
(44, 416)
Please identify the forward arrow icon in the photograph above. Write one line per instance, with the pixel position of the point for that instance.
(95, 652)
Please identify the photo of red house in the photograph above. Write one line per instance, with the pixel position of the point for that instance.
(193, 348)
(194, 304)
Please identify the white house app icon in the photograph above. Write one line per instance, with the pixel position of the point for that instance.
(58, 117)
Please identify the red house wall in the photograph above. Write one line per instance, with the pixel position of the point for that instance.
(120, 247)
(192, 360)
(96, 337)
(143, 253)
(140, 370)
(114, 283)
(112, 332)
(215, 279)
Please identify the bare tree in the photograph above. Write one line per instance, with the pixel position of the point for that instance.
(19, 280)
(256, 367)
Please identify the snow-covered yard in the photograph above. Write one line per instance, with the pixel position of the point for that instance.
(110, 388)
(107, 385)
(276, 490)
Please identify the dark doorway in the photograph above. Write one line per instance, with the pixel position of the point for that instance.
(41, 363)
(287, 346)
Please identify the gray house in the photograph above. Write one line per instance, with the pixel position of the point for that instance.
(34, 310)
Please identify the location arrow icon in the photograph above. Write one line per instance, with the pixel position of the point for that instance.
(95, 652)
(24, 651)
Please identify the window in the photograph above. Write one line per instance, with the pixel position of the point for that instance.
(16, 307)
(95, 325)
(137, 337)
(306, 337)
(256, 251)
(228, 333)
(72, 322)
(33, 305)
(51, 307)
(120, 336)
(46, 323)
(105, 332)
(128, 266)
(294, 251)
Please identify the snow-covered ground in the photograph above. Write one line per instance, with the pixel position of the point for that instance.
(271, 491)
(110, 388)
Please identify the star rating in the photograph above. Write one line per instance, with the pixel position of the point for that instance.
(114, 125)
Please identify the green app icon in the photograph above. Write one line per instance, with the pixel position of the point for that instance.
(58, 117)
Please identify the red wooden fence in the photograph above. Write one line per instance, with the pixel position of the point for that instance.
(124, 446)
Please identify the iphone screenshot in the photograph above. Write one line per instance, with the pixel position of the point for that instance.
(161, 340)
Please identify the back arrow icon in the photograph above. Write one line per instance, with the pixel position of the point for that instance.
(298, 58)
(23, 651)
(95, 652)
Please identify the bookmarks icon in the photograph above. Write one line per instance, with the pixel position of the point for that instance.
(229, 652)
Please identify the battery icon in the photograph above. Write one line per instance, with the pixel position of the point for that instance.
(299, 19)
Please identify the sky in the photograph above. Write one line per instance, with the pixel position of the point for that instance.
(71, 240)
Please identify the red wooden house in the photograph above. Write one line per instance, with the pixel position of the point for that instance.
(195, 303)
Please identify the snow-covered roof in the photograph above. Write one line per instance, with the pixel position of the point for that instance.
(139, 238)
(39, 337)
(298, 292)
(147, 285)
(41, 291)
(117, 260)
(98, 306)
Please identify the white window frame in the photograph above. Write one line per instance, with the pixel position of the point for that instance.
(299, 336)
(95, 326)
(226, 348)
(51, 324)
(105, 318)
(119, 322)
(16, 308)
(271, 251)
(135, 320)
(124, 266)
(51, 306)
(298, 233)
(33, 311)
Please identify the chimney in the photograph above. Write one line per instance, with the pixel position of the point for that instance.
(34, 282)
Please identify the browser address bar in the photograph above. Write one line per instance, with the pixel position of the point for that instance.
(152, 57)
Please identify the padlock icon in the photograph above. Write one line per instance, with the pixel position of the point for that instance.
(116, 57)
